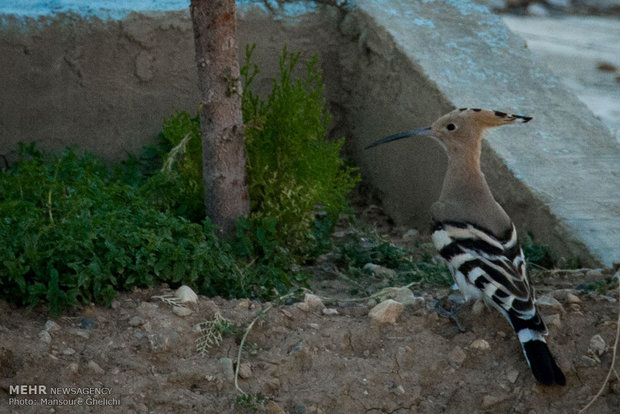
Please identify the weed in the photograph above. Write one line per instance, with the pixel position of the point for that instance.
(253, 402)
(213, 332)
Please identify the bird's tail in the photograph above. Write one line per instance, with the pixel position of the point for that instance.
(531, 333)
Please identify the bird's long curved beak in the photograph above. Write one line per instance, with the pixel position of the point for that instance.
(418, 132)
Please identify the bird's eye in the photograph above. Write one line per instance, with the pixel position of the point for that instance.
(450, 127)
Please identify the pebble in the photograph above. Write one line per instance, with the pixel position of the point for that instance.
(586, 361)
(51, 326)
(88, 323)
(274, 408)
(491, 400)
(379, 271)
(226, 368)
(480, 344)
(115, 304)
(313, 301)
(79, 332)
(595, 273)
(68, 351)
(538, 10)
(329, 311)
(185, 294)
(387, 311)
(598, 345)
(512, 375)
(572, 299)
(302, 306)
(411, 235)
(548, 301)
(553, 320)
(73, 367)
(562, 4)
(136, 321)
(406, 297)
(478, 307)
(95, 367)
(181, 311)
(457, 356)
(45, 337)
(245, 370)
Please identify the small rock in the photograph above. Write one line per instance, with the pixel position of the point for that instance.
(51, 326)
(68, 351)
(561, 4)
(387, 311)
(491, 400)
(538, 10)
(273, 385)
(226, 368)
(401, 295)
(314, 325)
(572, 299)
(243, 304)
(115, 304)
(598, 345)
(480, 344)
(411, 235)
(302, 306)
(92, 365)
(586, 361)
(313, 301)
(553, 320)
(379, 271)
(287, 313)
(181, 311)
(245, 370)
(457, 356)
(73, 367)
(329, 311)
(512, 375)
(595, 274)
(156, 342)
(478, 307)
(548, 301)
(88, 323)
(45, 337)
(136, 321)
(400, 390)
(274, 408)
(185, 294)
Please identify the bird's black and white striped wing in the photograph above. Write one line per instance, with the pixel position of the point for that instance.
(486, 266)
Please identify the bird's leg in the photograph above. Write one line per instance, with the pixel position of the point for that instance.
(456, 304)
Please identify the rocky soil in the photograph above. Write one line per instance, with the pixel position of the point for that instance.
(317, 353)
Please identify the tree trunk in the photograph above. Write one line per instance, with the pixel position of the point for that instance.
(223, 146)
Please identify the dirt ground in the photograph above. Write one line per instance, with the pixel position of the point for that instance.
(306, 357)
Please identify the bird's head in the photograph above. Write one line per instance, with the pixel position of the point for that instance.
(460, 128)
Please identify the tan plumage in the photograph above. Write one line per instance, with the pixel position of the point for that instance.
(477, 238)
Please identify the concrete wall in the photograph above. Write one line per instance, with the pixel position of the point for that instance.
(106, 83)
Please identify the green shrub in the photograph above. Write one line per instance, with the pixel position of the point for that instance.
(292, 167)
(293, 170)
(70, 233)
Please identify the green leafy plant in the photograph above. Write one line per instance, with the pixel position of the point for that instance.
(293, 168)
(72, 233)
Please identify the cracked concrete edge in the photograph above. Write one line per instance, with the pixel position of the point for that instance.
(558, 179)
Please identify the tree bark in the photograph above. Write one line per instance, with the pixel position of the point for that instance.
(223, 146)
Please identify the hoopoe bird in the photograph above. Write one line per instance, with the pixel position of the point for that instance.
(478, 239)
